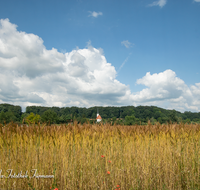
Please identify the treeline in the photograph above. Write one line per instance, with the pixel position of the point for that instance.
(10, 113)
(127, 115)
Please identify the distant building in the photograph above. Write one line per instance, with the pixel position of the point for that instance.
(98, 116)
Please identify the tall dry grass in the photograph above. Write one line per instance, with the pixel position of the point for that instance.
(101, 156)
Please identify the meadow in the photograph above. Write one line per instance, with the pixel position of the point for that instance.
(100, 156)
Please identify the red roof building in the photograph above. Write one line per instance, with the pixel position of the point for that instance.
(98, 118)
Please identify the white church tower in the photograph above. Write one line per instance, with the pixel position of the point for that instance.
(98, 116)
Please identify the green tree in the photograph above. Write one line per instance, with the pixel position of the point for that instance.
(3, 117)
(187, 121)
(153, 120)
(23, 117)
(84, 120)
(32, 118)
(130, 120)
(49, 116)
(7, 117)
(114, 119)
(172, 116)
(65, 118)
(157, 114)
(15, 110)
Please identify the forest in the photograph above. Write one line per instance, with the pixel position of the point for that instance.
(126, 115)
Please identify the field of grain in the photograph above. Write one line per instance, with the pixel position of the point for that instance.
(100, 157)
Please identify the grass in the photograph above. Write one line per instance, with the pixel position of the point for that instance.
(101, 156)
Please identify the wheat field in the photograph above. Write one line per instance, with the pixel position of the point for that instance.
(100, 156)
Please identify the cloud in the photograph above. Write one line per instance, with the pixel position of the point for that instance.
(95, 14)
(127, 44)
(26, 52)
(166, 87)
(32, 75)
(197, 0)
(160, 3)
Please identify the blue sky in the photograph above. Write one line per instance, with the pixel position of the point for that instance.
(100, 53)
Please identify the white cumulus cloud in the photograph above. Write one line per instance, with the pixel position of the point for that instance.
(32, 74)
(160, 3)
(166, 88)
(95, 14)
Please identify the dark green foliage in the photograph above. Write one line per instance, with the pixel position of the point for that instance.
(36, 109)
(137, 115)
(14, 114)
(191, 116)
(187, 121)
(130, 120)
(114, 119)
(7, 117)
(64, 118)
(141, 113)
(49, 116)
(84, 120)
(23, 117)
(173, 116)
